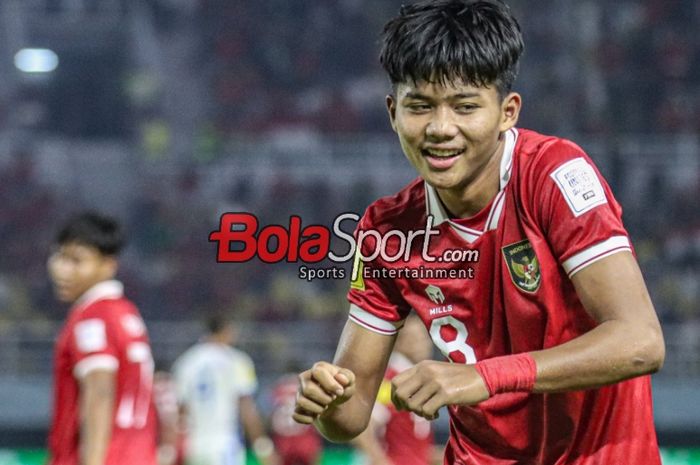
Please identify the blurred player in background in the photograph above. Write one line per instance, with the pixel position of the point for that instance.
(215, 387)
(396, 437)
(103, 368)
(550, 327)
(295, 444)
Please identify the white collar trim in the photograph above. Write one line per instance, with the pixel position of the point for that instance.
(435, 208)
(507, 159)
(111, 289)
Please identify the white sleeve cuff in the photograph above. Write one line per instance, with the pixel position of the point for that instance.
(596, 252)
(371, 322)
(95, 362)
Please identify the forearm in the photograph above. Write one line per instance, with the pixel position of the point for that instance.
(251, 420)
(341, 423)
(167, 437)
(254, 428)
(97, 410)
(613, 351)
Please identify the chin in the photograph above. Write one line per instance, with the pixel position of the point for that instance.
(64, 297)
(441, 180)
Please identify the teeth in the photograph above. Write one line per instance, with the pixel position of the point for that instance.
(443, 153)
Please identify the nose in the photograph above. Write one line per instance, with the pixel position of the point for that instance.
(442, 125)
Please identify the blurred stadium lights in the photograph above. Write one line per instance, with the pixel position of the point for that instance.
(36, 60)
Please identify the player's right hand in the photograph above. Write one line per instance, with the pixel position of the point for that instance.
(324, 385)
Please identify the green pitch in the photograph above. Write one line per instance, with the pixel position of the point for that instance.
(332, 456)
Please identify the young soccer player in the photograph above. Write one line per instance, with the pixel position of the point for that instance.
(103, 368)
(552, 333)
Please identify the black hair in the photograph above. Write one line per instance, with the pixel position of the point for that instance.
(217, 322)
(95, 230)
(442, 41)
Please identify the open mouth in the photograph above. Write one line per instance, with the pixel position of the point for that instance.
(441, 153)
(441, 158)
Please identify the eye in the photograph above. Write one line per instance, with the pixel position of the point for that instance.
(418, 107)
(466, 107)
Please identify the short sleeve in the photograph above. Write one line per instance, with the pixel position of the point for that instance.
(377, 302)
(94, 345)
(576, 209)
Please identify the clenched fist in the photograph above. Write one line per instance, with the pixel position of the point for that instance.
(430, 385)
(321, 387)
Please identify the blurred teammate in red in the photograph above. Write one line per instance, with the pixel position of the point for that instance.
(396, 437)
(103, 368)
(295, 444)
(543, 314)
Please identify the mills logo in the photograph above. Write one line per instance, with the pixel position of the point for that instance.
(435, 294)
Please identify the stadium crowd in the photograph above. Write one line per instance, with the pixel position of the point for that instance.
(304, 65)
(291, 67)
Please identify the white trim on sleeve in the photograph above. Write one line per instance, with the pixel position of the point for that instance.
(371, 322)
(94, 362)
(596, 252)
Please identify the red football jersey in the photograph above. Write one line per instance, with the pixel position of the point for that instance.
(105, 331)
(296, 444)
(406, 437)
(553, 216)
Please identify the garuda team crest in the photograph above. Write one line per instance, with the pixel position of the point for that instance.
(523, 265)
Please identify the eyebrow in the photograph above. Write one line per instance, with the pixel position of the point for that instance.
(461, 95)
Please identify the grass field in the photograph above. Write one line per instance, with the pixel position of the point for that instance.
(335, 456)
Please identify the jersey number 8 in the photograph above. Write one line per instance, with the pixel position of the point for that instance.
(450, 336)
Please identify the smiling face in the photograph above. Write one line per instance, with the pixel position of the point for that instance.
(449, 133)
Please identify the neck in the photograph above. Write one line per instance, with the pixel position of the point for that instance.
(216, 339)
(469, 199)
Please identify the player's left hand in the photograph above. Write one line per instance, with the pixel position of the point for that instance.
(430, 385)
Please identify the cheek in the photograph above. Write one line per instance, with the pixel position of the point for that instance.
(409, 129)
(406, 146)
(84, 271)
(56, 268)
(484, 127)
(51, 267)
(407, 138)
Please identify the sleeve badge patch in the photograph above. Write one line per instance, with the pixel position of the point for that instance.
(579, 185)
(90, 335)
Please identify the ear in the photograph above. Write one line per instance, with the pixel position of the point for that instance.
(510, 111)
(391, 109)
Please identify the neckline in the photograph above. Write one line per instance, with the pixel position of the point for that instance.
(473, 227)
(110, 289)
